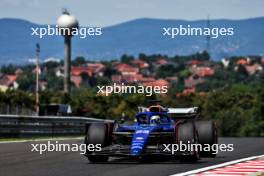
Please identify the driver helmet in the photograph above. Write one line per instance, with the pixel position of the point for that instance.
(155, 119)
(143, 120)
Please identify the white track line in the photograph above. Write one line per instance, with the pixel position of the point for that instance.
(217, 166)
(36, 140)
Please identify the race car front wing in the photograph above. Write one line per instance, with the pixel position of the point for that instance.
(117, 150)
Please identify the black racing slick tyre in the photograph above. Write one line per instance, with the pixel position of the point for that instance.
(207, 132)
(96, 134)
(187, 135)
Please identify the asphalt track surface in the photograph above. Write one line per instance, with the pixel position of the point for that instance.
(16, 159)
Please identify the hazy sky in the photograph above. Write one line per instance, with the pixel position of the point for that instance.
(109, 12)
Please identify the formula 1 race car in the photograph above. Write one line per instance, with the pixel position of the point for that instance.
(153, 128)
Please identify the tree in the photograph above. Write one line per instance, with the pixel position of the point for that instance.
(51, 65)
(54, 83)
(142, 57)
(27, 81)
(78, 61)
(242, 74)
(109, 71)
(9, 69)
(167, 70)
(204, 56)
(126, 59)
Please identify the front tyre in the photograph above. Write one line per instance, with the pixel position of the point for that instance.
(96, 134)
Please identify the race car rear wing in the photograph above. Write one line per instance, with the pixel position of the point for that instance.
(190, 112)
(183, 113)
(183, 110)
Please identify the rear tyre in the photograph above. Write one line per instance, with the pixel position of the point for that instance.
(187, 135)
(207, 132)
(97, 135)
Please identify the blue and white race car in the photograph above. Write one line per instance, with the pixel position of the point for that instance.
(154, 128)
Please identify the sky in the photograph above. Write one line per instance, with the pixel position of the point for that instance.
(102, 13)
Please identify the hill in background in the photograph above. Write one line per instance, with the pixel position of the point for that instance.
(133, 37)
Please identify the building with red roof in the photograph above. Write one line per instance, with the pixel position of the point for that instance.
(242, 62)
(77, 80)
(192, 81)
(194, 62)
(202, 71)
(146, 79)
(77, 71)
(97, 68)
(252, 69)
(8, 82)
(161, 61)
(262, 60)
(137, 78)
(160, 83)
(126, 69)
(186, 91)
(139, 63)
